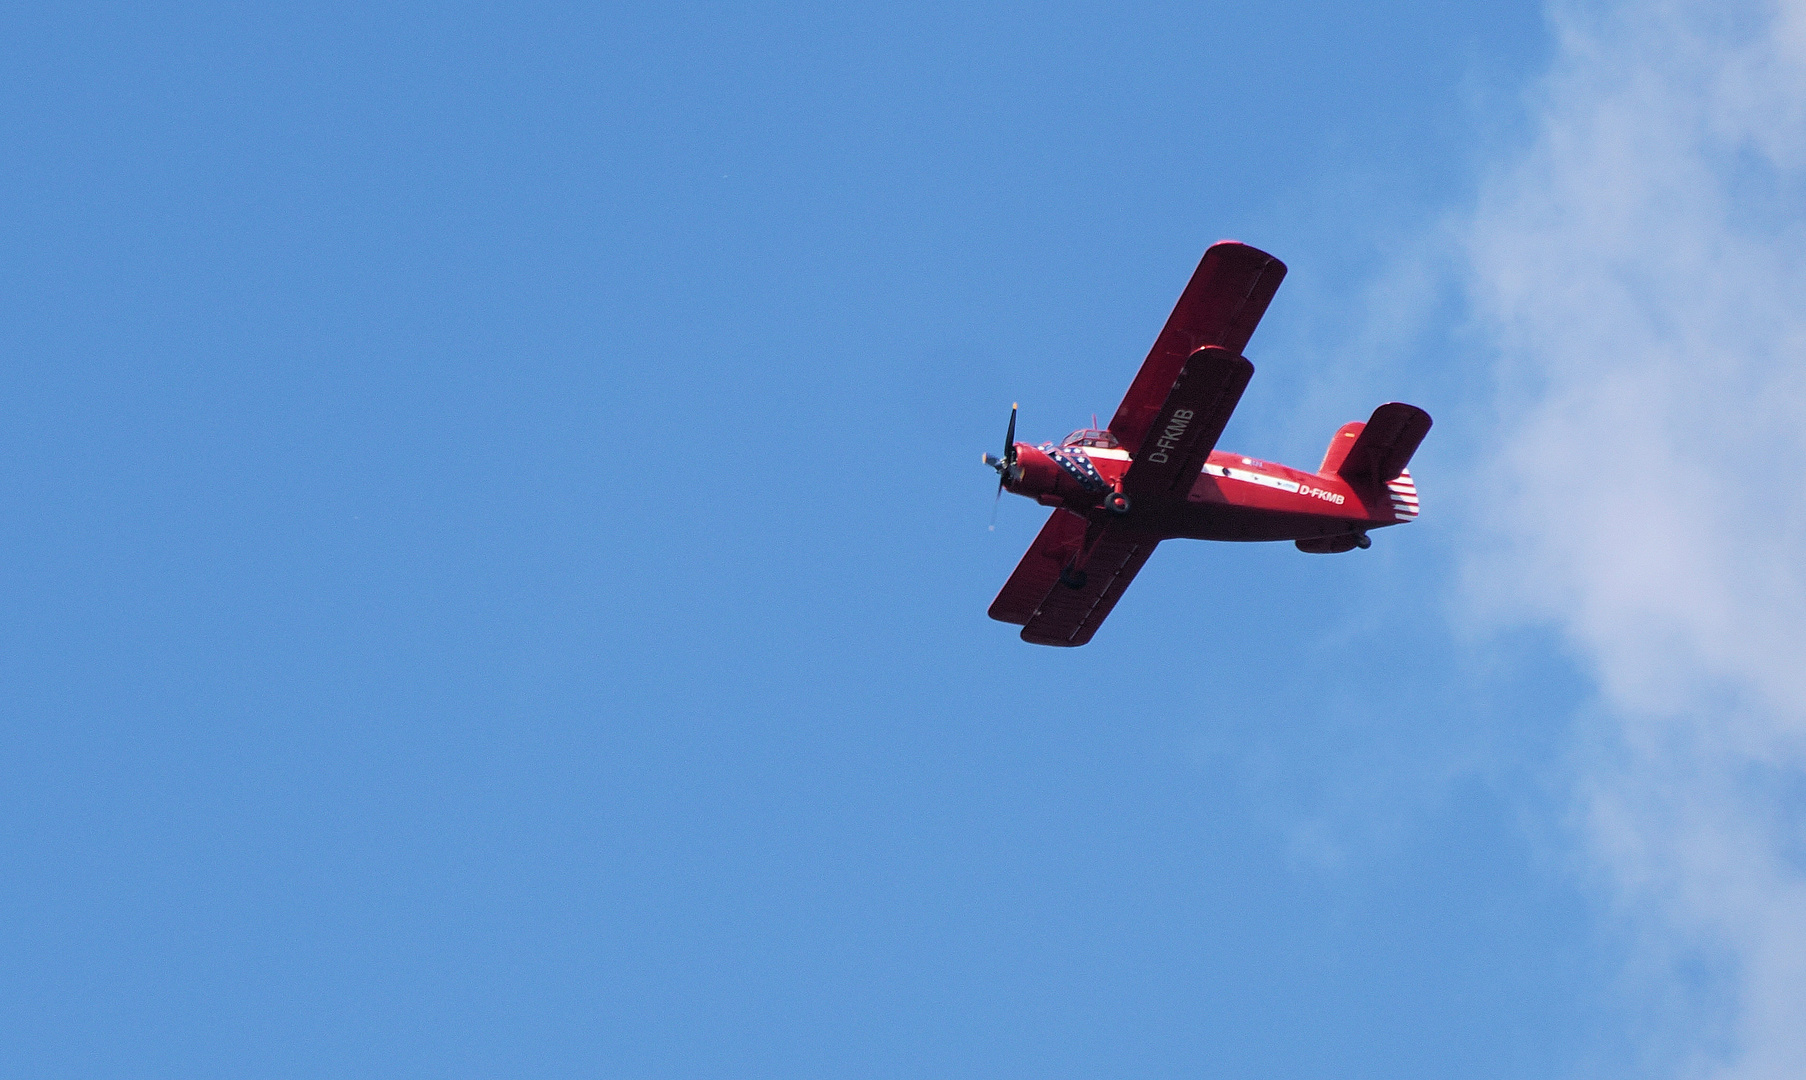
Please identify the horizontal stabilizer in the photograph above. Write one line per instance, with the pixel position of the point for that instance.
(1384, 446)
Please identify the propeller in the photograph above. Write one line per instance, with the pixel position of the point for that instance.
(1005, 465)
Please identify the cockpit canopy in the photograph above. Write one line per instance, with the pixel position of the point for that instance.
(1090, 437)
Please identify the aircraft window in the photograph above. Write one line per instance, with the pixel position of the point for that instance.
(1090, 437)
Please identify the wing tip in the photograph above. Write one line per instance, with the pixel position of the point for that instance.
(1271, 270)
(1006, 616)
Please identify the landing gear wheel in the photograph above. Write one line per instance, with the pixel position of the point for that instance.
(1072, 579)
(1363, 542)
(1116, 502)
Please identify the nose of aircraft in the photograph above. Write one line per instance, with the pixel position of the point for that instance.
(1005, 465)
(1036, 473)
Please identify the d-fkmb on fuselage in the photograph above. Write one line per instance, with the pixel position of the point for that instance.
(1233, 498)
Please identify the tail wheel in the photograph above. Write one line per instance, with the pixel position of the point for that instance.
(1363, 541)
(1072, 579)
(1116, 502)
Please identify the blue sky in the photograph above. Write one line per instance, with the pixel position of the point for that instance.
(497, 553)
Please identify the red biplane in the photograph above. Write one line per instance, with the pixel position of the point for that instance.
(1155, 474)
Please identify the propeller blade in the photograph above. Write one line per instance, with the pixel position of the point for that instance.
(1005, 465)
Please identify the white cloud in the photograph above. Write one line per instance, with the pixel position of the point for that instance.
(1644, 265)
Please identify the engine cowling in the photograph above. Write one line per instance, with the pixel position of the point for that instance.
(1040, 478)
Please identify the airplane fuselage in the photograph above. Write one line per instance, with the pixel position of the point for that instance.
(1234, 497)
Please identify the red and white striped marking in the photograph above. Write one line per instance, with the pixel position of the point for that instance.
(1404, 496)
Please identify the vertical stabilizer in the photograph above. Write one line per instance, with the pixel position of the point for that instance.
(1340, 446)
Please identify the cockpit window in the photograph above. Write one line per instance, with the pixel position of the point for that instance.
(1090, 437)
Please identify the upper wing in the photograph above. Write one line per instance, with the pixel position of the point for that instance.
(1220, 306)
(1188, 424)
(1054, 613)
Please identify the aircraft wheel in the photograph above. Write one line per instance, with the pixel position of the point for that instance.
(1072, 579)
(1116, 502)
(1363, 542)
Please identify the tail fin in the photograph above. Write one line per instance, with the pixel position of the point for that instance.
(1403, 494)
(1340, 446)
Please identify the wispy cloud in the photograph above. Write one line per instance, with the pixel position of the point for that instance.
(1643, 263)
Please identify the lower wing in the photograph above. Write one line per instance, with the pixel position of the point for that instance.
(1070, 578)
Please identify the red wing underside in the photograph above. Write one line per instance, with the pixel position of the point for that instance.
(1053, 613)
(1039, 571)
(1188, 425)
(1220, 306)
